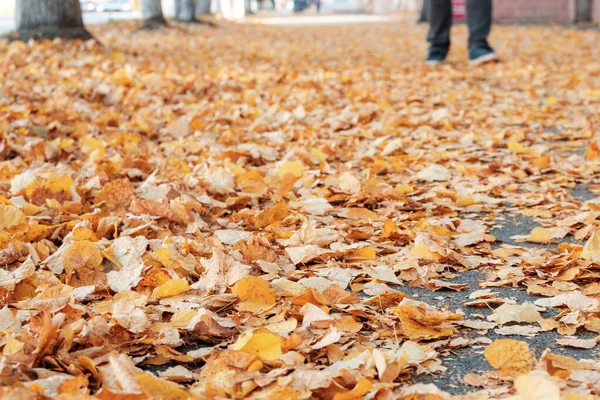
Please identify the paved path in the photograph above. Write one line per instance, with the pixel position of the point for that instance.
(7, 23)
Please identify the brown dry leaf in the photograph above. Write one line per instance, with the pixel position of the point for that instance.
(510, 357)
(116, 195)
(81, 254)
(422, 323)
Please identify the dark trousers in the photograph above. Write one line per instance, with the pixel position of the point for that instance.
(479, 21)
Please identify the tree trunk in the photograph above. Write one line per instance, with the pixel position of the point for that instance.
(152, 14)
(49, 19)
(185, 10)
(203, 7)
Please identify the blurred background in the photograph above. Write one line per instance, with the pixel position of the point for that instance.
(330, 11)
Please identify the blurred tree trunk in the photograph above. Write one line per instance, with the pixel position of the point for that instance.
(203, 7)
(49, 19)
(185, 10)
(152, 14)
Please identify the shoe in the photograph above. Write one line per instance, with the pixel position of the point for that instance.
(482, 55)
(435, 57)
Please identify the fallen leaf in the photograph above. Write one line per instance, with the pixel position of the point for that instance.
(510, 357)
(255, 294)
(263, 343)
(540, 235)
(81, 254)
(10, 216)
(170, 288)
(537, 385)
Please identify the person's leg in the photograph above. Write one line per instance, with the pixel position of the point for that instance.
(479, 21)
(439, 14)
(423, 16)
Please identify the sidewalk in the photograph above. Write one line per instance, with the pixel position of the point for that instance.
(284, 19)
(7, 23)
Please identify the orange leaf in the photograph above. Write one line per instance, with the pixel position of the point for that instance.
(272, 214)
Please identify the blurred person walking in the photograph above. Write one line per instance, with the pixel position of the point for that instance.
(479, 22)
(423, 16)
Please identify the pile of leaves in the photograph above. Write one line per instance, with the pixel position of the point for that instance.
(234, 213)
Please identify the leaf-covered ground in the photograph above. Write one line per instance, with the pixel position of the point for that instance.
(299, 213)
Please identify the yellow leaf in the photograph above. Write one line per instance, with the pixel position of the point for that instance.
(448, 126)
(552, 100)
(10, 215)
(265, 344)
(464, 200)
(83, 233)
(255, 294)
(82, 253)
(52, 183)
(592, 152)
(516, 147)
(291, 167)
(577, 396)
(362, 387)
(364, 253)
(510, 357)
(389, 228)
(318, 154)
(591, 250)
(171, 287)
(160, 388)
(404, 189)
(423, 396)
(540, 235)
(154, 277)
(13, 345)
(165, 256)
(72, 387)
(422, 251)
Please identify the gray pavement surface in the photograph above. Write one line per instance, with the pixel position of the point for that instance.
(470, 359)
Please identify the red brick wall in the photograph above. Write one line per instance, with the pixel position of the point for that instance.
(559, 11)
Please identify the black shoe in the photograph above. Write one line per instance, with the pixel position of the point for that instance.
(482, 55)
(435, 57)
